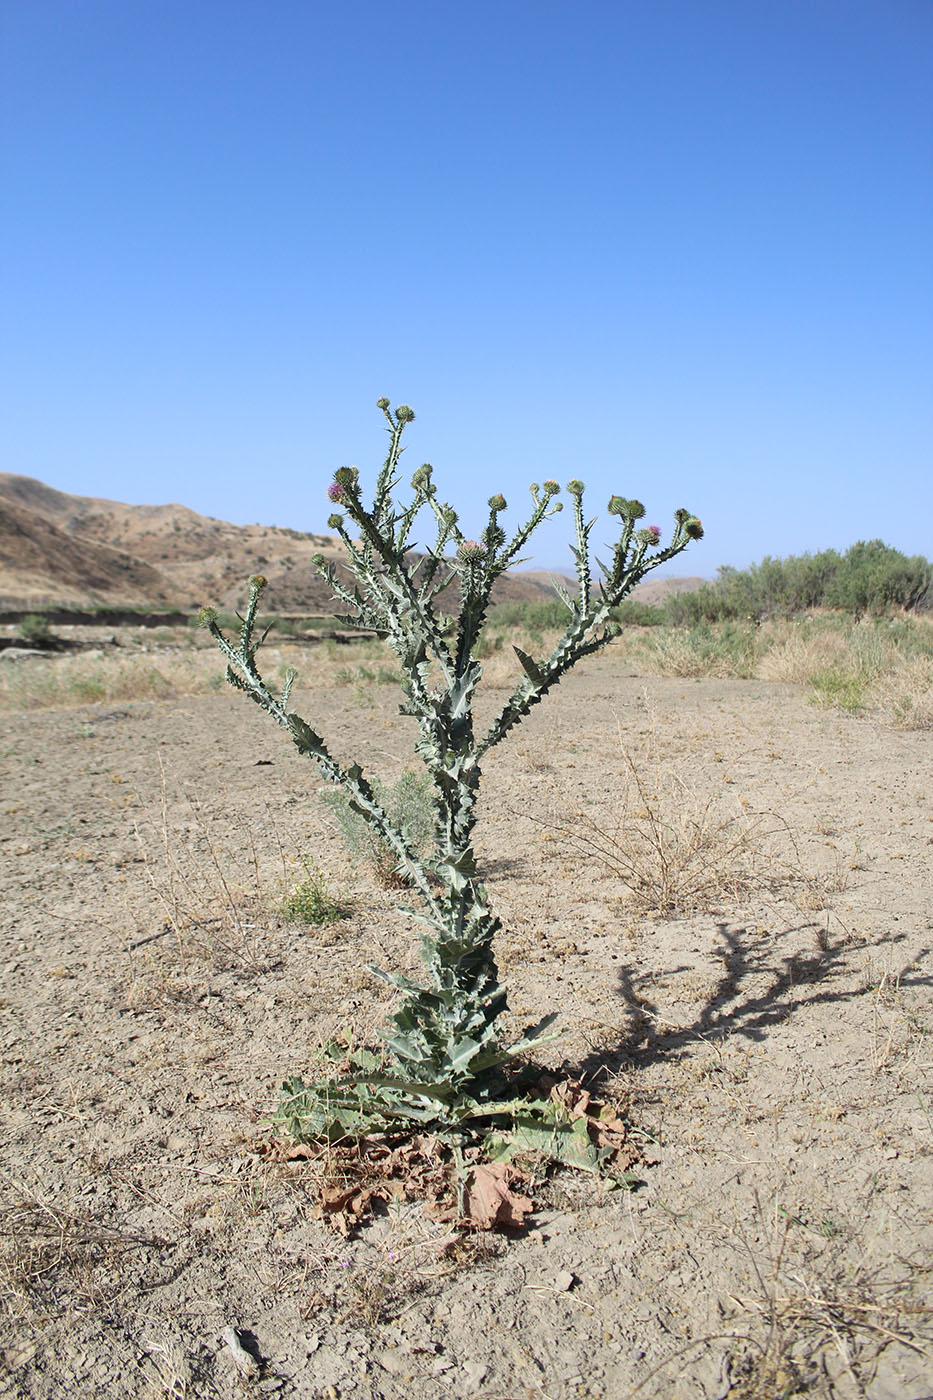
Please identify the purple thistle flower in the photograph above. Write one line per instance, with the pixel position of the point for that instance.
(654, 530)
(470, 552)
(335, 491)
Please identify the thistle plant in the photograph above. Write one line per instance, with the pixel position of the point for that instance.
(444, 1062)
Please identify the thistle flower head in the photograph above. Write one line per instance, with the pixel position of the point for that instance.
(649, 537)
(382, 403)
(493, 536)
(575, 487)
(346, 476)
(470, 552)
(335, 492)
(551, 487)
(206, 616)
(450, 518)
(618, 505)
(404, 414)
(497, 502)
(257, 582)
(421, 479)
(334, 522)
(636, 510)
(654, 530)
(693, 528)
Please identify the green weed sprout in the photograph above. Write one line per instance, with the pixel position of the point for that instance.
(310, 901)
(443, 1060)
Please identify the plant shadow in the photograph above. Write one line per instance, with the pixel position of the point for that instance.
(737, 1004)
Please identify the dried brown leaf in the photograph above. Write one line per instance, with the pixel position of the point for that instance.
(489, 1200)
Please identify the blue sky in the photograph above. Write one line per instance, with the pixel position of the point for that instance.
(681, 249)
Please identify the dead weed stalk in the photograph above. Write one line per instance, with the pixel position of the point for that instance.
(677, 853)
(52, 1262)
(207, 889)
(828, 1314)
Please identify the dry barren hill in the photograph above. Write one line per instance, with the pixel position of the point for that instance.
(77, 551)
(45, 562)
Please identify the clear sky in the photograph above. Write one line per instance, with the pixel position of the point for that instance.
(678, 248)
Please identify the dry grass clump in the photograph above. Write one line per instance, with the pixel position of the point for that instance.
(904, 696)
(39, 684)
(52, 1262)
(721, 652)
(677, 852)
(796, 654)
(216, 878)
(885, 664)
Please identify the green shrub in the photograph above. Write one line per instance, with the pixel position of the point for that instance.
(632, 613)
(407, 803)
(873, 578)
(34, 627)
(868, 578)
(548, 614)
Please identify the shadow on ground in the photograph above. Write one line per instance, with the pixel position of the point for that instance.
(738, 1004)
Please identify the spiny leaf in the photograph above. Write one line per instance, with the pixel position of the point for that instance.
(529, 665)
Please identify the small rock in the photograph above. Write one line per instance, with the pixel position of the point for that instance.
(395, 1365)
(565, 1281)
(245, 1362)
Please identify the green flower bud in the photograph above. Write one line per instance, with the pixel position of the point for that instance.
(497, 502)
(636, 510)
(404, 414)
(575, 487)
(693, 528)
(421, 479)
(334, 522)
(257, 582)
(382, 403)
(470, 552)
(681, 516)
(551, 488)
(206, 616)
(318, 561)
(346, 476)
(618, 505)
(493, 537)
(449, 517)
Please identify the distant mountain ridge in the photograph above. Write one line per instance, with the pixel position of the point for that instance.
(60, 550)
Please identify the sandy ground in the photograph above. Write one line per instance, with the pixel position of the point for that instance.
(772, 1048)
